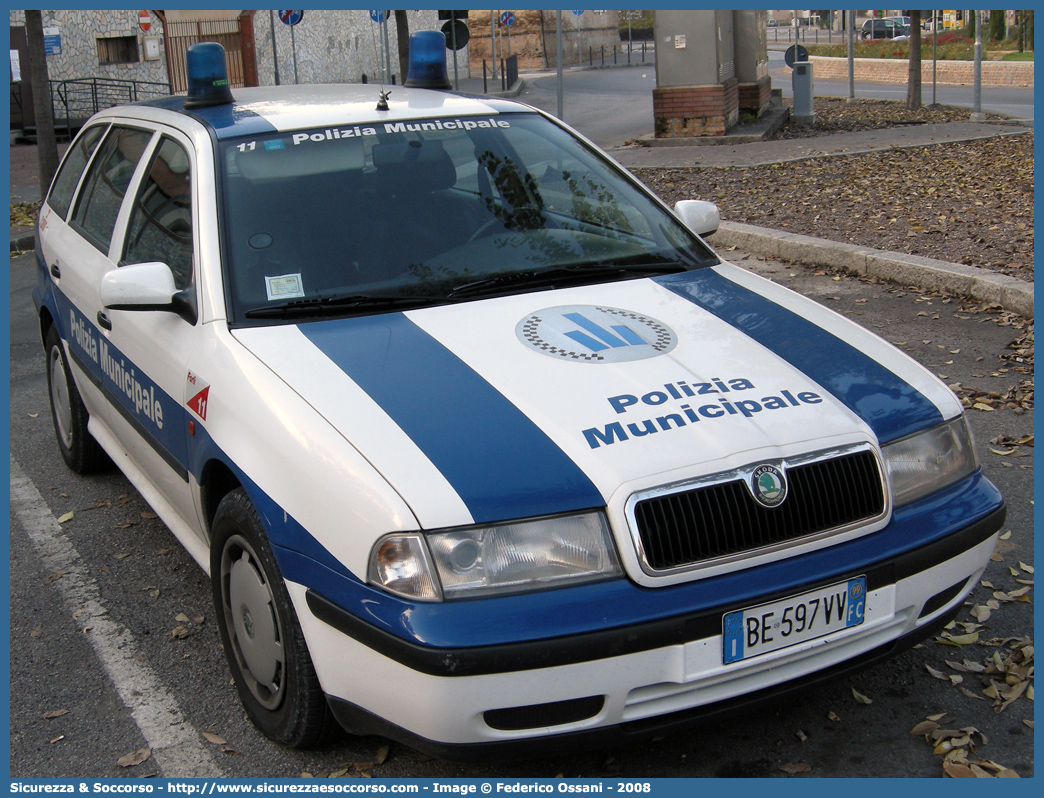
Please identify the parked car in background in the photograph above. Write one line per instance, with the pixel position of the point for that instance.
(888, 28)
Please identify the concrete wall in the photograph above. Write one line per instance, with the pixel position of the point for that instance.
(536, 46)
(79, 30)
(332, 46)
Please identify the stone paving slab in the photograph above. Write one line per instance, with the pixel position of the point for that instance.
(767, 153)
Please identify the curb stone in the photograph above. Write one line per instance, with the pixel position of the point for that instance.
(1009, 292)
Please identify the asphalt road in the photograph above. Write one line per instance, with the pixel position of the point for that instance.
(609, 106)
(114, 646)
(613, 106)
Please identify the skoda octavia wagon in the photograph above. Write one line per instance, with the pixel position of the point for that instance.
(484, 448)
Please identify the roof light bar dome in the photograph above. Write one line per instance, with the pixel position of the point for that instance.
(207, 76)
(428, 61)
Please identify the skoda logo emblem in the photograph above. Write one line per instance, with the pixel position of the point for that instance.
(248, 622)
(768, 485)
(595, 334)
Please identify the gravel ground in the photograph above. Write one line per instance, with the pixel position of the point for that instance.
(837, 115)
(970, 202)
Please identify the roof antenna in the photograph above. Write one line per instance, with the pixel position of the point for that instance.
(382, 98)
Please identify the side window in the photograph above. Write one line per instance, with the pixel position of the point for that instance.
(106, 184)
(65, 183)
(161, 219)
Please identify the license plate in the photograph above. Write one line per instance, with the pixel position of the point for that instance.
(778, 624)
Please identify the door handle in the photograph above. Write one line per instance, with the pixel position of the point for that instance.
(103, 320)
(56, 273)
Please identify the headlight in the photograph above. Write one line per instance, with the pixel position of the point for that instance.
(496, 559)
(930, 460)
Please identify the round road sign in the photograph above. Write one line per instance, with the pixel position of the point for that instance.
(291, 17)
(378, 16)
(463, 34)
(144, 21)
(795, 52)
(507, 18)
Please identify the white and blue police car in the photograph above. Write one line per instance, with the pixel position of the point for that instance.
(482, 446)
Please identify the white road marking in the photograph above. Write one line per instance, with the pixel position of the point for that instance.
(176, 745)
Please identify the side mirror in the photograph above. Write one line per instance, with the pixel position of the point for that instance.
(147, 286)
(701, 217)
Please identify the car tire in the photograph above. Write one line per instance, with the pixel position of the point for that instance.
(262, 638)
(80, 450)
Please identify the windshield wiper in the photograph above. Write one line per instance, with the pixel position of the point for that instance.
(573, 274)
(318, 306)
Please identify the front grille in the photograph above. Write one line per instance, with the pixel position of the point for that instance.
(723, 519)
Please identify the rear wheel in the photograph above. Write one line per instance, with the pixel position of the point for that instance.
(263, 642)
(79, 449)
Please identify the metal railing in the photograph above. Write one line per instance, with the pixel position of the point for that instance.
(508, 74)
(75, 101)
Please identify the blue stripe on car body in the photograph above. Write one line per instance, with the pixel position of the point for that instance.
(889, 405)
(500, 463)
(584, 608)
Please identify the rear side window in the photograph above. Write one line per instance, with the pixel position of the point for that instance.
(61, 196)
(106, 183)
(161, 219)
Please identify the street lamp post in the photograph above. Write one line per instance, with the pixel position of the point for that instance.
(977, 114)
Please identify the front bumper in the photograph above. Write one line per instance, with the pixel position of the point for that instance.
(617, 684)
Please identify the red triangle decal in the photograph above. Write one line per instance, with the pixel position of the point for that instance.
(198, 403)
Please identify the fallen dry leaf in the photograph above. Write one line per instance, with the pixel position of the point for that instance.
(860, 698)
(135, 758)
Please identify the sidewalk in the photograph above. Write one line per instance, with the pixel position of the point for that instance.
(1013, 294)
(766, 153)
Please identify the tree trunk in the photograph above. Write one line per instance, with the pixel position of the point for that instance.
(998, 28)
(46, 143)
(402, 37)
(913, 83)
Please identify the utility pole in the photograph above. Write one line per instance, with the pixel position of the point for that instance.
(275, 54)
(46, 143)
(558, 40)
(493, 41)
(850, 17)
(977, 114)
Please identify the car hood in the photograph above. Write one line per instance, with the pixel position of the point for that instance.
(559, 400)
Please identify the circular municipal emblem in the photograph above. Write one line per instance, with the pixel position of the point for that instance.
(595, 334)
(768, 485)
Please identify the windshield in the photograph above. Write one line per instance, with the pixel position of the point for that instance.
(394, 215)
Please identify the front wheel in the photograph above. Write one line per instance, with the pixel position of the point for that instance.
(263, 642)
(80, 450)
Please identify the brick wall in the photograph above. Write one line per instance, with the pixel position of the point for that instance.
(707, 110)
(895, 70)
(753, 97)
